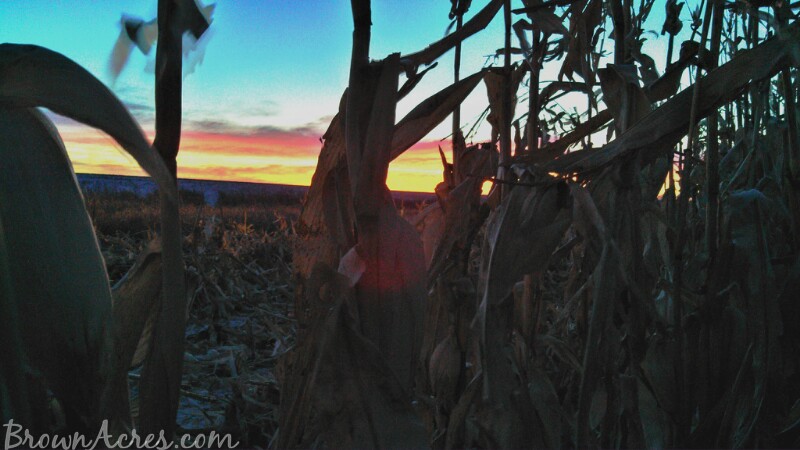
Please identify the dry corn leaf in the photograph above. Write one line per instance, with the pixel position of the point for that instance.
(430, 113)
(660, 130)
(391, 291)
(58, 274)
(554, 87)
(15, 403)
(352, 266)
(546, 21)
(430, 224)
(584, 18)
(34, 76)
(669, 83)
(495, 81)
(598, 340)
(444, 370)
(136, 298)
(459, 210)
(432, 52)
(626, 100)
(548, 408)
(368, 157)
(325, 225)
(672, 19)
(521, 235)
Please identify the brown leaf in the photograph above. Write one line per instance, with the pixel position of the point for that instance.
(603, 300)
(430, 113)
(58, 274)
(136, 297)
(477, 23)
(548, 408)
(430, 223)
(325, 226)
(547, 22)
(660, 130)
(34, 76)
(553, 150)
(368, 157)
(623, 95)
(460, 208)
(582, 25)
(669, 83)
(444, 370)
(495, 80)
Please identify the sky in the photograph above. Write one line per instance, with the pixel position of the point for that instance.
(261, 93)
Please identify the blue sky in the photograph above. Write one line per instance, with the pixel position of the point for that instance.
(283, 62)
(276, 65)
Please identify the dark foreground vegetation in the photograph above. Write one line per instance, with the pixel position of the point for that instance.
(639, 294)
(240, 302)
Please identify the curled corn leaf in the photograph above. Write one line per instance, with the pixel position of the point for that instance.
(33, 76)
(58, 275)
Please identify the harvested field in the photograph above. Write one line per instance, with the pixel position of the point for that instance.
(240, 320)
(241, 300)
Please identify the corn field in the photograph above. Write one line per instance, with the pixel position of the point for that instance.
(642, 293)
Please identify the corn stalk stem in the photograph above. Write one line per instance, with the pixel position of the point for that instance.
(684, 405)
(505, 126)
(457, 109)
(752, 41)
(357, 97)
(712, 152)
(618, 19)
(791, 153)
(169, 65)
(670, 45)
(163, 367)
(533, 96)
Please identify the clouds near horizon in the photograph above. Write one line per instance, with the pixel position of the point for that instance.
(224, 151)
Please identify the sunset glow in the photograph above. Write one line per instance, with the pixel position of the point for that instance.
(262, 90)
(278, 159)
(262, 86)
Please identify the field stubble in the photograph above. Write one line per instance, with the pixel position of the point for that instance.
(240, 319)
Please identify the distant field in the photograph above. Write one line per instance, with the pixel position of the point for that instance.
(226, 192)
(204, 191)
(129, 205)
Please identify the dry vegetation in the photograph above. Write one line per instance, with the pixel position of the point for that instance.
(642, 293)
(238, 264)
(603, 313)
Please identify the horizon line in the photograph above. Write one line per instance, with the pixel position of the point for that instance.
(235, 181)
